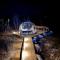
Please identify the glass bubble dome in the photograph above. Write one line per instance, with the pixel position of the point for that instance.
(27, 27)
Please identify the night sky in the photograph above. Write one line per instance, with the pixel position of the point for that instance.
(23, 8)
(38, 11)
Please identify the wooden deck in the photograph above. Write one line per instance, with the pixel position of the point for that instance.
(28, 52)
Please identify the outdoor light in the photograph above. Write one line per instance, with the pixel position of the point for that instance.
(15, 32)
